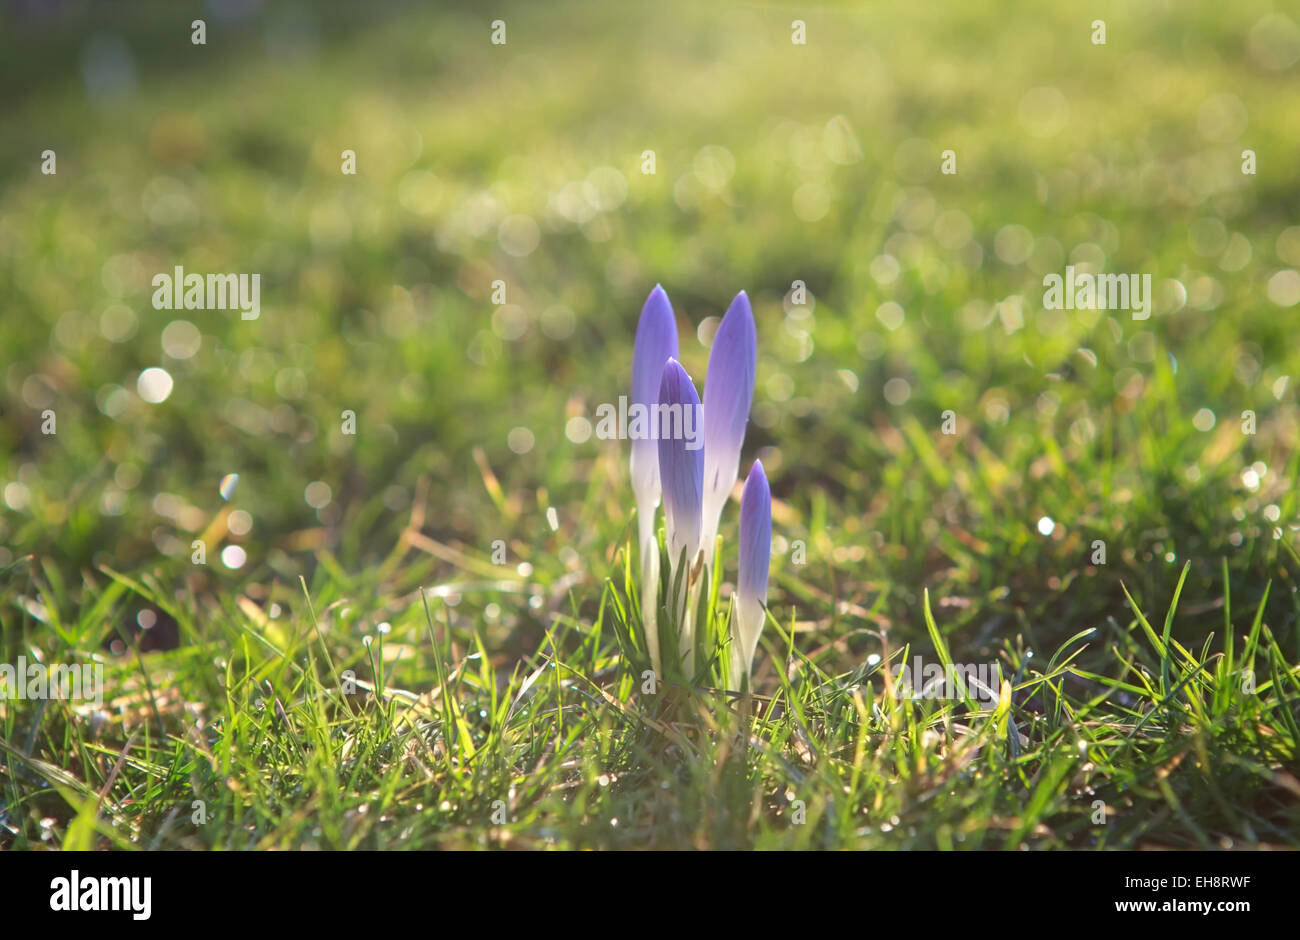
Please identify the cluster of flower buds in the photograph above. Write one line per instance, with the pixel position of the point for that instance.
(693, 481)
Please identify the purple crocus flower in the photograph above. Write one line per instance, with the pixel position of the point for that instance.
(755, 562)
(681, 465)
(656, 343)
(728, 394)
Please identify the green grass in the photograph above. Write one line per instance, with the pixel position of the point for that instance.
(371, 678)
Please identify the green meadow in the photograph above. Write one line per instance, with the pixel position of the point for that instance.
(360, 574)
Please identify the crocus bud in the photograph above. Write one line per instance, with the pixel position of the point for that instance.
(728, 394)
(656, 343)
(681, 465)
(755, 562)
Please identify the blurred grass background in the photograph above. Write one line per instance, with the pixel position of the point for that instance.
(775, 163)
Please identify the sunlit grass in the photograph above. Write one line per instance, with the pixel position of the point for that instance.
(522, 681)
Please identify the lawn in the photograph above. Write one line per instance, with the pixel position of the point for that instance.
(357, 571)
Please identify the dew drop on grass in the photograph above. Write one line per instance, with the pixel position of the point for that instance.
(1046, 525)
(520, 440)
(181, 339)
(154, 385)
(578, 429)
(227, 486)
(317, 494)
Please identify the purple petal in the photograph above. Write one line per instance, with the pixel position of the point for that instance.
(755, 535)
(681, 469)
(728, 394)
(656, 343)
